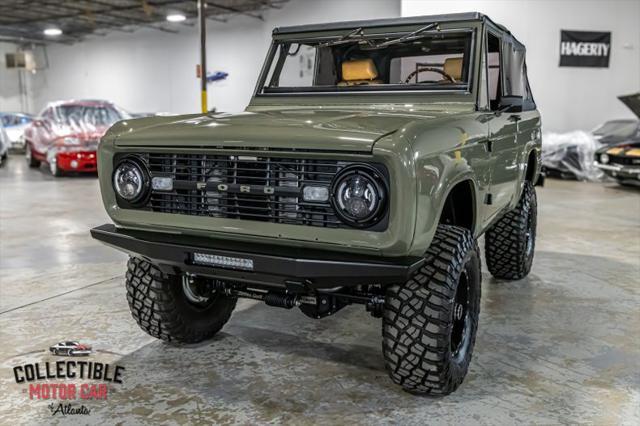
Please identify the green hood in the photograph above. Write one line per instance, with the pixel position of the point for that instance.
(335, 130)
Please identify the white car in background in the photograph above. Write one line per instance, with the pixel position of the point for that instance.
(5, 143)
(14, 124)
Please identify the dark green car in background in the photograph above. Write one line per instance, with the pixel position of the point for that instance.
(371, 158)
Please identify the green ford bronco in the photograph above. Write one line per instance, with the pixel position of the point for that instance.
(371, 158)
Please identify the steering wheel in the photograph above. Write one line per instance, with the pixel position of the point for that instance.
(433, 69)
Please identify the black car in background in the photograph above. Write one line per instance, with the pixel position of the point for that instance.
(621, 159)
(570, 155)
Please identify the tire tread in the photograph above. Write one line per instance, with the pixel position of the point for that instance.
(154, 307)
(506, 242)
(417, 318)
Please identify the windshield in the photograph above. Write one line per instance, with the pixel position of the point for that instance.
(88, 115)
(10, 120)
(430, 60)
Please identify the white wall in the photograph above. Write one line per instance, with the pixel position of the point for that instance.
(11, 98)
(569, 98)
(154, 71)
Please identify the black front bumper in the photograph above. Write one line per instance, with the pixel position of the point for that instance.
(272, 265)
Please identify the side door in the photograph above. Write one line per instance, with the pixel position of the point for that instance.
(504, 124)
(528, 136)
(40, 133)
(50, 129)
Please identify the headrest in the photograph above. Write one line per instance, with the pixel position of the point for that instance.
(453, 67)
(359, 69)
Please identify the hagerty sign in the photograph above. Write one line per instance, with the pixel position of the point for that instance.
(585, 49)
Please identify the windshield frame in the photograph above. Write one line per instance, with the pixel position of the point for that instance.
(386, 89)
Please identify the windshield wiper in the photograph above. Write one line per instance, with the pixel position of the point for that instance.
(358, 36)
(354, 36)
(408, 37)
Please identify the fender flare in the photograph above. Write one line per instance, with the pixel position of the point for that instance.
(466, 176)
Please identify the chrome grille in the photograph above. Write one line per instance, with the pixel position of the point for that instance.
(197, 178)
(625, 161)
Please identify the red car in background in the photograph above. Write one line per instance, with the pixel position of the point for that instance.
(66, 134)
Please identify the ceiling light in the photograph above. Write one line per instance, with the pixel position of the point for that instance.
(52, 32)
(176, 17)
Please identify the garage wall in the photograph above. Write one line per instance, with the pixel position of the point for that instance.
(11, 98)
(155, 71)
(569, 98)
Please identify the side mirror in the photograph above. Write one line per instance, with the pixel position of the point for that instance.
(511, 103)
(38, 123)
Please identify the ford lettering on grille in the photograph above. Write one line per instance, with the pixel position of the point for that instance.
(260, 188)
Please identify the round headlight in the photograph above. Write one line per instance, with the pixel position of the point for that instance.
(129, 181)
(604, 158)
(359, 195)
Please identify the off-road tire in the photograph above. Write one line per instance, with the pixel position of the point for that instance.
(510, 243)
(31, 162)
(161, 309)
(418, 320)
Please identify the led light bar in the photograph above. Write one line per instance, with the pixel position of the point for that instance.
(223, 261)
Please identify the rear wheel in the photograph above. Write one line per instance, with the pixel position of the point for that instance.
(174, 309)
(510, 243)
(429, 323)
(28, 154)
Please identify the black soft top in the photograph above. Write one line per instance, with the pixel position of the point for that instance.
(410, 20)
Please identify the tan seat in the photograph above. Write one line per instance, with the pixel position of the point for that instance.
(359, 71)
(453, 67)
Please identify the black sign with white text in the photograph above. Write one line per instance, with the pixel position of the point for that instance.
(585, 49)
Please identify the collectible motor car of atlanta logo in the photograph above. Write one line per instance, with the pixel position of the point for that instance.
(63, 381)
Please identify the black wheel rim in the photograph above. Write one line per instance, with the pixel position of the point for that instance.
(460, 330)
(199, 294)
(530, 235)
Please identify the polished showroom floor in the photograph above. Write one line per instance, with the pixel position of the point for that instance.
(562, 345)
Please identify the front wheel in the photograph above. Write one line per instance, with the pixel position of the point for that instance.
(28, 155)
(510, 243)
(174, 309)
(429, 324)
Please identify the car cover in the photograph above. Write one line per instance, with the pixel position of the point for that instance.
(571, 155)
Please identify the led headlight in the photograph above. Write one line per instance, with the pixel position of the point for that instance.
(359, 195)
(316, 194)
(130, 181)
(604, 158)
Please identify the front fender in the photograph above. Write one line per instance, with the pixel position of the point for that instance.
(445, 156)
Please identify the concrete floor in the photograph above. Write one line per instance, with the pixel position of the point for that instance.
(561, 346)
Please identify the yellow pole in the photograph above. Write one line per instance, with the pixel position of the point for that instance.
(203, 100)
(202, 4)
